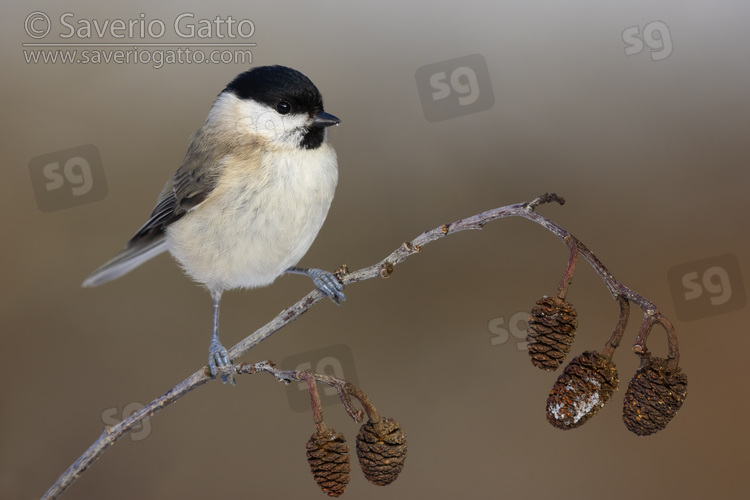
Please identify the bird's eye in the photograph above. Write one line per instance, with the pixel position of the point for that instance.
(283, 108)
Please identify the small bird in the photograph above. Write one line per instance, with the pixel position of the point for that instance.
(250, 196)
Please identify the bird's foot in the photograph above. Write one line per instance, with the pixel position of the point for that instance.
(219, 362)
(328, 284)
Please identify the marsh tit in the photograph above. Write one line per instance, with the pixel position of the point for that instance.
(250, 196)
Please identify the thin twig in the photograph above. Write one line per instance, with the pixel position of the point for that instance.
(649, 320)
(570, 269)
(317, 408)
(381, 269)
(344, 388)
(614, 339)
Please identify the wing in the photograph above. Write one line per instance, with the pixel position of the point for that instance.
(188, 187)
(185, 190)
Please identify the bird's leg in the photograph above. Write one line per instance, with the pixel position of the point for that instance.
(325, 282)
(218, 358)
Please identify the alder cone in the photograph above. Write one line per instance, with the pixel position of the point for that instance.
(653, 397)
(581, 391)
(328, 456)
(552, 328)
(381, 449)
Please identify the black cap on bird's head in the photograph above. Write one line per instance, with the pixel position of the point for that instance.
(288, 92)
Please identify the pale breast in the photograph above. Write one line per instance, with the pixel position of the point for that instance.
(258, 221)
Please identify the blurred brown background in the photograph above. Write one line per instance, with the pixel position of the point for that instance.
(650, 150)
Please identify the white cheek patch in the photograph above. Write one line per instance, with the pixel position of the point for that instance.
(256, 119)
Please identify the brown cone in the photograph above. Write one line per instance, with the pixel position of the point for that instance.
(653, 397)
(381, 449)
(582, 389)
(552, 327)
(328, 456)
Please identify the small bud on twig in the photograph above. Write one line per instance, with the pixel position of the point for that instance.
(386, 269)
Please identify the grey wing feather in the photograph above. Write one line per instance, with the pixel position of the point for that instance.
(187, 188)
(127, 260)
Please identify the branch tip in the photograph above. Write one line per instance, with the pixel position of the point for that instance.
(545, 198)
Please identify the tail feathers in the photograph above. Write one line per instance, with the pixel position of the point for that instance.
(127, 260)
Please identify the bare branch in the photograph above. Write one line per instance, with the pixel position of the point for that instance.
(380, 269)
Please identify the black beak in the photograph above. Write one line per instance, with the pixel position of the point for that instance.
(324, 119)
